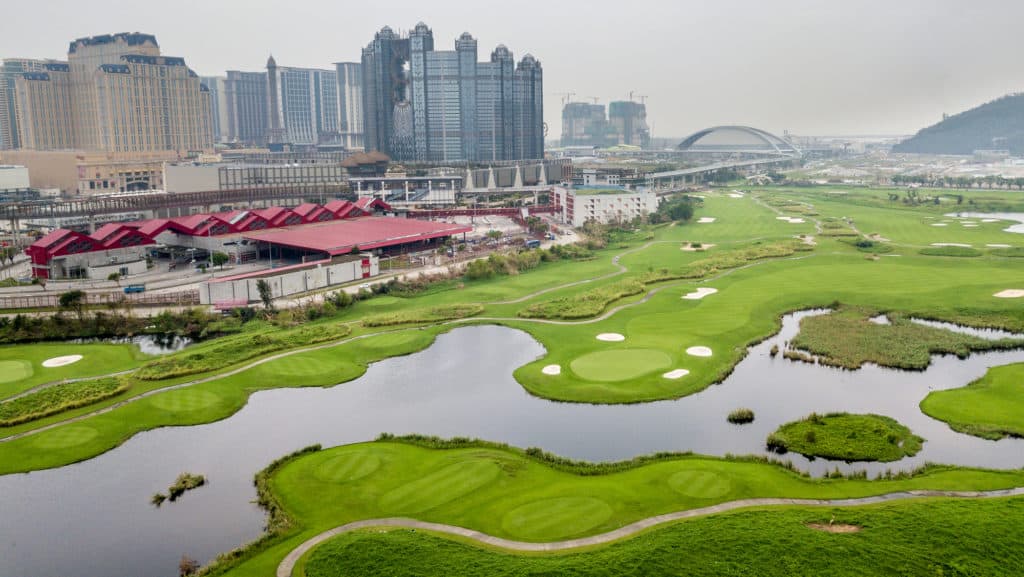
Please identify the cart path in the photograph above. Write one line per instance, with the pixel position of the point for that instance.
(287, 565)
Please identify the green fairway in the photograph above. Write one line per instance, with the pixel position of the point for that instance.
(21, 366)
(991, 407)
(920, 538)
(620, 364)
(506, 493)
(842, 436)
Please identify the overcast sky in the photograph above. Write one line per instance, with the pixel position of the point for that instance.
(811, 67)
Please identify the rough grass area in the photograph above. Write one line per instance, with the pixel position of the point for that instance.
(585, 304)
(846, 437)
(741, 416)
(237, 348)
(846, 338)
(59, 398)
(729, 259)
(941, 537)
(991, 407)
(427, 315)
(1013, 252)
(957, 251)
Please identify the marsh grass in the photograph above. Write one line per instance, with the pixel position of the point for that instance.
(585, 304)
(847, 437)
(426, 315)
(59, 398)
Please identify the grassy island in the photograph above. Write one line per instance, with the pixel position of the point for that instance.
(842, 436)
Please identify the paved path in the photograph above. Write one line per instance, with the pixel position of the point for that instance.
(287, 565)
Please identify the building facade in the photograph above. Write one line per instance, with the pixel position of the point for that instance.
(43, 115)
(627, 121)
(217, 87)
(350, 104)
(303, 105)
(248, 107)
(584, 124)
(606, 205)
(10, 71)
(428, 105)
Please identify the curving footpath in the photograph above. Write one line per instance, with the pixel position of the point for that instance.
(287, 565)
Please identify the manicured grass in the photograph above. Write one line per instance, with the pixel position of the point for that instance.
(21, 365)
(991, 407)
(1012, 252)
(505, 492)
(846, 338)
(620, 364)
(934, 537)
(234, 349)
(847, 437)
(584, 304)
(59, 398)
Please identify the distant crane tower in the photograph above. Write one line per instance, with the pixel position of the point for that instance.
(594, 98)
(643, 97)
(566, 97)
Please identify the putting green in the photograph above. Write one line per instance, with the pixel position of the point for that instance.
(700, 484)
(440, 487)
(556, 518)
(306, 365)
(65, 437)
(185, 400)
(620, 365)
(11, 371)
(347, 467)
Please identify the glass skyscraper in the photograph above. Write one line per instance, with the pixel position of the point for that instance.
(428, 105)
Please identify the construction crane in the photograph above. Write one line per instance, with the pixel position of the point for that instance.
(642, 97)
(594, 98)
(566, 97)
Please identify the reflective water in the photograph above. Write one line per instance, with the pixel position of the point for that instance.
(93, 519)
(1012, 216)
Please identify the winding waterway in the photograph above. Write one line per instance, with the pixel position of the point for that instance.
(93, 519)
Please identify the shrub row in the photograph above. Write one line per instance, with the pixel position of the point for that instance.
(237, 348)
(586, 304)
(428, 315)
(728, 259)
(59, 398)
(959, 251)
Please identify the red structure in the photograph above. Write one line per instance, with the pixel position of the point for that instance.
(63, 242)
(367, 233)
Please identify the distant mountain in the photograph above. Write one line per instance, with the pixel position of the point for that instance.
(995, 125)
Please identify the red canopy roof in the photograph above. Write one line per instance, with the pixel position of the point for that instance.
(341, 236)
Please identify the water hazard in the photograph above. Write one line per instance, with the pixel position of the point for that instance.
(93, 519)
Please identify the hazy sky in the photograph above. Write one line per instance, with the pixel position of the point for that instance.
(812, 67)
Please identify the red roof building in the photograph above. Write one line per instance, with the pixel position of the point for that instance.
(367, 233)
(313, 212)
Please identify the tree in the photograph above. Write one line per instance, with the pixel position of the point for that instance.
(116, 277)
(73, 301)
(187, 566)
(266, 295)
(494, 234)
(218, 259)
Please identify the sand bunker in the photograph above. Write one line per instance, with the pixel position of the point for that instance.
(676, 374)
(940, 224)
(1010, 294)
(706, 220)
(834, 527)
(735, 195)
(552, 370)
(997, 245)
(700, 293)
(961, 245)
(698, 351)
(990, 220)
(791, 219)
(971, 226)
(61, 361)
(611, 337)
(688, 247)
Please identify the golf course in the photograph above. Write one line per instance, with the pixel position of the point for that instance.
(654, 316)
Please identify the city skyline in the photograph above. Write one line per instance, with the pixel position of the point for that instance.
(865, 68)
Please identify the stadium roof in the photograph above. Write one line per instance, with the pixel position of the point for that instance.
(341, 236)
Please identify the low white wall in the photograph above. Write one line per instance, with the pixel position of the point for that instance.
(289, 283)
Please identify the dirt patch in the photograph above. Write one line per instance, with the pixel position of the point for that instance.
(835, 527)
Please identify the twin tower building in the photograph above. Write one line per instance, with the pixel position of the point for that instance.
(116, 94)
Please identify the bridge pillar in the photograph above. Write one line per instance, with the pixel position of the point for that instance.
(92, 223)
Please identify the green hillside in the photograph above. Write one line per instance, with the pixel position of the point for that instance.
(995, 125)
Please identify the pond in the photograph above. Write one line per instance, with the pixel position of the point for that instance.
(93, 519)
(1011, 216)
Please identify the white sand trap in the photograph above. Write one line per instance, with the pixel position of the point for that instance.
(700, 293)
(698, 351)
(961, 245)
(676, 374)
(735, 195)
(611, 337)
(791, 219)
(971, 226)
(990, 220)
(1010, 294)
(997, 245)
(552, 370)
(61, 361)
(781, 218)
(940, 224)
(690, 248)
(706, 220)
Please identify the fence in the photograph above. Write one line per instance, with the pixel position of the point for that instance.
(38, 301)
